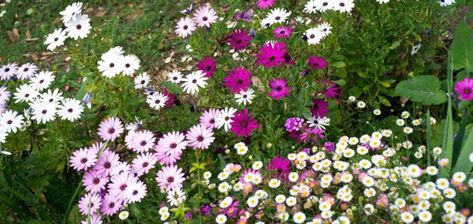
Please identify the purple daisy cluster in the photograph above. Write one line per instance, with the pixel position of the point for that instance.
(304, 131)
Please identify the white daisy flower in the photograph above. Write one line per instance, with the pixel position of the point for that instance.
(446, 2)
(42, 80)
(4, 95)
(278, 15)
(55, 39)
(10, 121)
(26, 71)
(314, 36)
(78, 27)
(70, 109)
(245, 97)
(131, 63)
(54, 96)
(185, 26)
(175, 76)
(343, 5)
(142, 80)
(176, 197)
(193, 81)
(325, 29)
(225, 118)
(25, 93)
(7, 71)
(111, 64)
(157, 100)
(71, 12)
(318, 122)
(43, 112)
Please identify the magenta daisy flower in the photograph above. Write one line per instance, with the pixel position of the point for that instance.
(272, 54)
(83, 158)
(464, 89)
(120, 183)
(238, 79)
(111, 205)
(143, 163)
(243, 123)
(106, 162)
(205, 16)
(238, 40)
(142, 141)
(200, 137)
(280, 166)
(94, 182)
(330, 89)
(170, 178)
(264, 4)
(169, 147)
(320, 108)
(110, 129)
(135, 192)
(208, 65)
(207, 119)
(89, 202)
(282, 32)
(171, 98)
(316, 62)
(279, 88)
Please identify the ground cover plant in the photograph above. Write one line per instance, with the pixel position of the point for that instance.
(260, 111)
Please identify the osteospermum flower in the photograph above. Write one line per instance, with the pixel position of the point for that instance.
(279, 88)
(238, 40)
(106, 162)
(343, 5)
(135, 192)
(174, 76)
(224, 118)
(243, 123)
(8, 71)
(157, 100)
(205, 16)
(170, 147)
(264, 4)
(238, 79)
(42, 80)
(280, 166)
(143, 163)
(131, 63)
(55, 39)
(78, 27)
(320, 108)
(208, 65)
(71, 12)
(282, 32)
(200, 137)
(25, 93)
(43, 111)
(278, 15)
(170, 178)
(194, 81)
(142, 141)
(10, 121)
(54, 96)
(185, 26)
(111, 204)
(94, 182)
(4, 95)
(272, 54)
(26, 71)
(111, 62)
(316, 62)
(89, 204)
(446, 2)
(464, 89)
(142, 80)
(208, 118)
(83, 158)
(110, 129)
(70, 109)
(119, 184)
(245, 96)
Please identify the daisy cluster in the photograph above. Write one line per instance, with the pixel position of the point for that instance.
(341, 182)
(204, 16)
(43, 103)
(77, 26)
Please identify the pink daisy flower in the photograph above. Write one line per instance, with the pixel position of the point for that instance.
(200, 137)
(464, 89)
(89, 202)
(107, 161)
(238, 79)
(205, 16)
(282, 32)
(170, 146)
(279, 88)
(143, 163)
(207, 119)
(272, 54)
(135, 192)
(243, 123)
(185, 27)
(110, 129)
(111, 205)
(208, 65)
(94, 182)
(83, 158)
(316, 62)
(120, 183)
(94, 219)
(170, 178)
(120, 168)
(142, 141)
(238, 40)
(264, 4)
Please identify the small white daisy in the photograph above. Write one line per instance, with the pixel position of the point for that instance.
(78, 27)
(142, 80)
(314, 36)
(225, 118)
(55, 39)
(157, 100)
(7, 71)
(318, 122)
(278, 15)
(185, 26)
(54, 96)
(71, 12)
(111, 64)
(245, 97)
(70, 109)
(131, 64)
(193, 81)
(26, 71)
(11, 121)
(43, 112)
(174, 76)
(42, 80)
(25, 93)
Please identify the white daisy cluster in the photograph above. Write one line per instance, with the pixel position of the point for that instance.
(275, 16)
(313, 6)
(77, 26)
(43, 104)
(191, 83)
(114, 62)
(317, 34)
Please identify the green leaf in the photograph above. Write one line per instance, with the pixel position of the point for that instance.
(462, 48)
(339, 64)
(173, 88)
(424, 89)
(395, 44)
(463, 163)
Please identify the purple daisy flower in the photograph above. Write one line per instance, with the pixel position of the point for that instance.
(464, 89)
(83, 159)
(272, 54)
(170, 147)
(280, 166)
(238, 79)
(120, 183)
(279, 88)
(208, 65)
(142, 141)
(107, 161)
(94, 182)
(316, 62)
(207, 119)
(282, 32)
(170, 178)
(320, 108)
(111, 205)
(200, 137)
(264, 4)
(238, 40)
(243, 123)
(110, 129)
(143, 163)
(89, 202)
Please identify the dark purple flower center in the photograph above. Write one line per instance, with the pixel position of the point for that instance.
(123, 187)
(7, 69)
(44, 111)
(170, 179)
(135, 192)
(111, 130)
(145, 164)
(25, 69)
(111, 65)
(279, 88)
(70, 110)
(96, 180)
(9, 122)
(239, 81)
(56, 39)
(173, 146)
(83, 160)
(467, 91)
(78, 27)
(200, 138)
(205, 18)
(185, 27)
(143, 143)
(107, 165)
(111, 205)
(212, 121)
(194, 81)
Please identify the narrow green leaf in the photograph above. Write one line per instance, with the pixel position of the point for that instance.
(173, 88)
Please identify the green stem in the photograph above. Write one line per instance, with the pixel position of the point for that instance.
(68, 210)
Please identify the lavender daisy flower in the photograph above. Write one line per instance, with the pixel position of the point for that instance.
(110, 129)
(200, 137)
